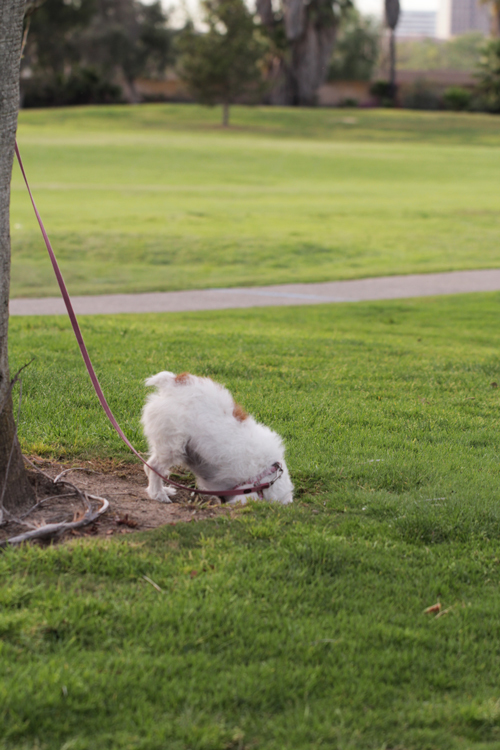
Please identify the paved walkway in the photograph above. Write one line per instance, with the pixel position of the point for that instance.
(388, 287)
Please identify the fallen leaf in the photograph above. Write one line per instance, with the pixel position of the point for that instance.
(126, 521)
(494, 385)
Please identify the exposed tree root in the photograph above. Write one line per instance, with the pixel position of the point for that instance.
(53, 530)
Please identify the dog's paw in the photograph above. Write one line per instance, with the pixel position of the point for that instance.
(163, 495)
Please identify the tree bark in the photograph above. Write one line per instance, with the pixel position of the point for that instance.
(392, 11)
(392, 64)
(495, 19)
(310, 33)
(14, 486)
(311, 54)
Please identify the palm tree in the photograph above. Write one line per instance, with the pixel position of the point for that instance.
(392, 10)
(495, 16)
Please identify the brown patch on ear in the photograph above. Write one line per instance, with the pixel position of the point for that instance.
(182, 378)
(239, 413)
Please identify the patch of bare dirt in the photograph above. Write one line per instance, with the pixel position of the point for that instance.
(122, 484)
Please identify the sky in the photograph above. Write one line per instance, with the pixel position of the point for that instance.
(374, 7)
(367, 7)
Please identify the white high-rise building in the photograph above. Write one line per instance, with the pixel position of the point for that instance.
(457, 17)
(416, 23)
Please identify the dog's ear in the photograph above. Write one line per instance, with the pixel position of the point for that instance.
(161, 378)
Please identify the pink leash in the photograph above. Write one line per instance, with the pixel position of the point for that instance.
(241, 490)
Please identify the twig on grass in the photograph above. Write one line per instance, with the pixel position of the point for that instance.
(153, 584)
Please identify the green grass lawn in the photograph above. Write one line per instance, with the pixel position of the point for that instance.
(159, 197)
(283, 628)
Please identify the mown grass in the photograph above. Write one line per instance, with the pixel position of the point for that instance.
(280, 629)
(157, 197)
(297, 627)
(283, 122)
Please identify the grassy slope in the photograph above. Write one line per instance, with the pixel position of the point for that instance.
(300, 627)
(158, 197)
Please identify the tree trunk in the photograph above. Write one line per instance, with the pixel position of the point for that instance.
(392, 11)
(392, 64)
(225, 115)
(14, 487)
(311, 55)
(310, 34)
(495, 19)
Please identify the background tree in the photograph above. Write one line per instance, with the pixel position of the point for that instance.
(78, 49)
(357, 48)
(488, 76)
(302, 33)
(54, 31)
(459, 53)
(223, 63)
(15, 492)
(130, 37)
(494, 8)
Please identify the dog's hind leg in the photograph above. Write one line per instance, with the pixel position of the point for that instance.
(156, 489)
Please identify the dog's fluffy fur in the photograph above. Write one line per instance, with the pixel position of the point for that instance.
(194, 422)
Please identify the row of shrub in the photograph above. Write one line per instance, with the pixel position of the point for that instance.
(81, 86)
(424, 95)
(87, 86)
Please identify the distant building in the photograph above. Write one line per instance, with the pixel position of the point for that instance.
(457, 17)
(416, 24)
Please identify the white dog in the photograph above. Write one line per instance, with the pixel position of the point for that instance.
(194, 422)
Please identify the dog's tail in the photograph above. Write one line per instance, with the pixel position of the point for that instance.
(161, 379)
